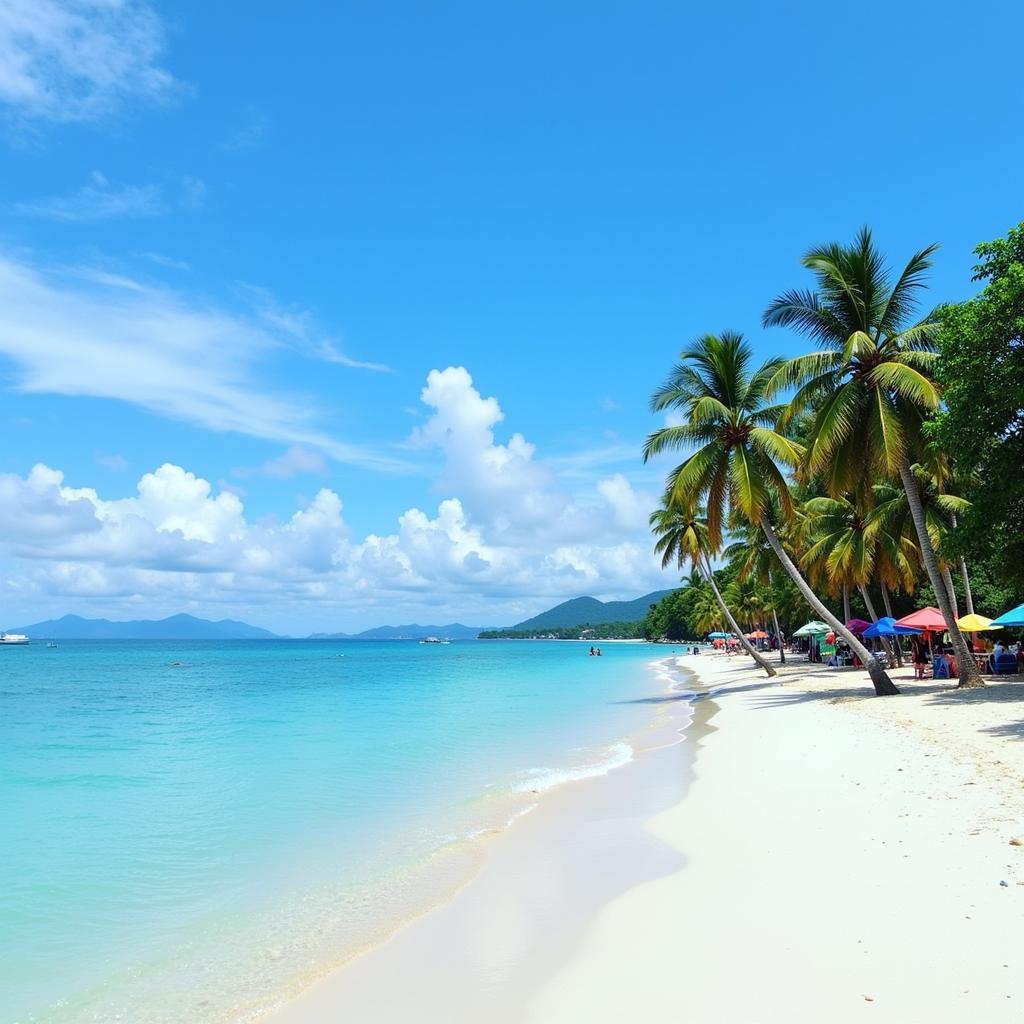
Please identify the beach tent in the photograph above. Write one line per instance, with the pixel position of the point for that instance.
(927, 620)
(1014, 617)
(887, 626)
(857, 626)
(813, 628)
(975, 623)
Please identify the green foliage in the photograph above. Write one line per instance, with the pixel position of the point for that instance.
(690, 613)
(981, 370)
(869, 384)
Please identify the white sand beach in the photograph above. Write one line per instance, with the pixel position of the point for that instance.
(834, 857)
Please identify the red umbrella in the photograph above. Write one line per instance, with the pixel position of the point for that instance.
(928, 620)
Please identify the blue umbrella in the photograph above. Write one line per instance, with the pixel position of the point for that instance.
(886, 626)
(1014, 617)
(719, 636)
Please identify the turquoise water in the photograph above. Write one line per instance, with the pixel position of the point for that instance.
(193, 829)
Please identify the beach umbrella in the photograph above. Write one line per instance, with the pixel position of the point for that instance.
(927, 620)
(1014, 617)
(813, 628)
(718, 636)
(975, 623)
(758, 634)
(857, 626)
(887, 626)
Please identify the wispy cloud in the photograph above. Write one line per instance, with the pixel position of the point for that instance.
(81, 60)
(250, 134)
(115, 463)
(116, 338)
(101, 199)
(98, 200)
(299, 326)
(165, 261)
(296, 461)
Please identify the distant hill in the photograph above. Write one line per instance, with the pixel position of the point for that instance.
(453, 631)
(177, 627)
(589, 611)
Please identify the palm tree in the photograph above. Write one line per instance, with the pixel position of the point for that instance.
(753, 559)
(733, 469)
(845, 541)
(683, 536)
(870, 383)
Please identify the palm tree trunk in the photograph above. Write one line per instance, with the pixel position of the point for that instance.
(879, 677)
(969, 674)
(746, 644)
(775, 621)
(888, 611)
(947, 578)
(778, 636)
(869, 604)
(846, 604)
(968, 596)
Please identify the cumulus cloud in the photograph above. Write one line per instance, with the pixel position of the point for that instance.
(94, 334)
(504, 539)
(81, 60)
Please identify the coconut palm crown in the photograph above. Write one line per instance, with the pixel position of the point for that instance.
(870, 381)
(870, 384)
(731, 428)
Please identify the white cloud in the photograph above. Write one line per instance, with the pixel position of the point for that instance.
(80, 60)
(115, 463)
(296, 461)
(99, 199)
(112, 337)
(301, 328)
(504, 540)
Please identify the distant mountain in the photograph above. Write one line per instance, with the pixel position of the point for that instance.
(589, 611)
(177, 627)
(453, 631)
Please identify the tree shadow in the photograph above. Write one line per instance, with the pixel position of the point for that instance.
(692, 696)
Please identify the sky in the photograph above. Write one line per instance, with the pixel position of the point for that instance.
(336, 315)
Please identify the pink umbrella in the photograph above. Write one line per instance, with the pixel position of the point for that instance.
(857, 626)
(928, 620)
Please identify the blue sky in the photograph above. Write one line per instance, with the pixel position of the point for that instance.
(234, 244)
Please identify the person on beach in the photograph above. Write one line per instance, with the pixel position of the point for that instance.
(920, 656)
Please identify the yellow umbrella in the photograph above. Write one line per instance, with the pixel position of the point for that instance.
(975, 623)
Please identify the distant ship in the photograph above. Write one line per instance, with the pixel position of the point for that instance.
(435, 640)
(14, 638)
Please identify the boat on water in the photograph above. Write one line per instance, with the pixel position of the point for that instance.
(435, 640)
(14, 639)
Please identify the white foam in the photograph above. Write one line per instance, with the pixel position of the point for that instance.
(538, 780)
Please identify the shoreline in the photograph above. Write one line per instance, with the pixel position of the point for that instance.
(421, 947)
(829, 845)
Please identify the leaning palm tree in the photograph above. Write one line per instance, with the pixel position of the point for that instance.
(733, 468)
(870, 383)
(682, 536)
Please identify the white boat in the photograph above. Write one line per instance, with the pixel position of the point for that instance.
(435, 640)
(14, 638)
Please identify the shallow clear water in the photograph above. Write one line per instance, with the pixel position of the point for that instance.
(193, 828)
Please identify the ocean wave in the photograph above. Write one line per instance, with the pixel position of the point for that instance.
(538, 780)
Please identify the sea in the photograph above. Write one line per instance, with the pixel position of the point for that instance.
(194, 831)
